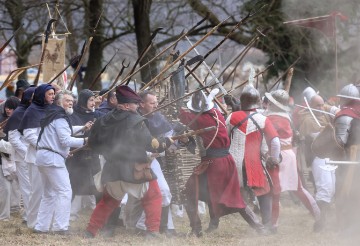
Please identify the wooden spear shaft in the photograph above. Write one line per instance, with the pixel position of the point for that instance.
(184, 54)
(73, 78)
(163, 51)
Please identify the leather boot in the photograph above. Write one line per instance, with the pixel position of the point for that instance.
(250, 217)
(213, 225)
(164, 219)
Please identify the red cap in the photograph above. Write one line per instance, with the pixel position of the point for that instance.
(124, 94)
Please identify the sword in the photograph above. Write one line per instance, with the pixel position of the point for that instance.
(208, 68)
(328, 161)
(316, 110)
(312, 113)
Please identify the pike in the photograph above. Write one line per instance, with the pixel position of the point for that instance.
(167, 48)
(123, 66)
(328, 161)
(81, 60)
(47, 33)
(207, 90)
(311, 112)
(315, 110)
(287, 70)
(143, 53)
(245, 51)
(243, 20)
(246, 81)
(288, 80)
(185, 53)
(208, 68)
(72, 62)
(232, 60)
(195, 132)
(9, 40)
(13, 74)
(83, 52)
(102, 71)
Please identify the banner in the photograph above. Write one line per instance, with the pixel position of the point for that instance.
(54, 60)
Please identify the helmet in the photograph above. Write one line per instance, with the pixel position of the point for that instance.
(308, 93)
(249, 98)
(349, 91)
(279, 98)
(201, 103)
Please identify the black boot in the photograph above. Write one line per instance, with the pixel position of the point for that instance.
(164, 219)
(111, 224)
(319, 224)
(250, 217)
(213, 225)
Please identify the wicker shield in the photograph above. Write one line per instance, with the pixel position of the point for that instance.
(326, 146)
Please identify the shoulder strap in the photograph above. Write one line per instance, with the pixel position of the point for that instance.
(241, 122)
(256, 124)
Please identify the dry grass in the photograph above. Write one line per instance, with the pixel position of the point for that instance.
(295, 229)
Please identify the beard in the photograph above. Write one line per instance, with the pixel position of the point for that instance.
(69, 111)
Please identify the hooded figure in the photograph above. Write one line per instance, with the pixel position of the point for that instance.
(44, 95)
(84, 164)
(20, 147)
(36, 111)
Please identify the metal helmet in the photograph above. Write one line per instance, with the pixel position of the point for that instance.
(349, 91)
(250, 98)
(308, 93)
(279, 98)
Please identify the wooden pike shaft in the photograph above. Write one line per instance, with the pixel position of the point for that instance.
(292, 65)
(196, 132)
(162, 52)
(184, 54)
(73, 78)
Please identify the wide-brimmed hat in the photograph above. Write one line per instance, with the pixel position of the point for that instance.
(199, 102)
(280, 98)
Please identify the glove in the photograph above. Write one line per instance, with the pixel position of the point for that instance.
(272, 162)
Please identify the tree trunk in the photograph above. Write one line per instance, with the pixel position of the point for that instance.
(143, 34)
(94, 63)
(16, 10)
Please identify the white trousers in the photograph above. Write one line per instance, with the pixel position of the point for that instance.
(324, 181)
(56, 201)
(15, 196)
(22, 172)
(36, 192)
(5, 196)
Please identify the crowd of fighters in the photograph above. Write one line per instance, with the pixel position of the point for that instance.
(256, 150)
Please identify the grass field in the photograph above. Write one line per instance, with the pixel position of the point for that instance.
(295, 229)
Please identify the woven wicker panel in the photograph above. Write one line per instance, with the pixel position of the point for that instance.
(177, 170)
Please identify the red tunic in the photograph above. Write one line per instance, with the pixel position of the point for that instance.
(246, 146)
(222, 180)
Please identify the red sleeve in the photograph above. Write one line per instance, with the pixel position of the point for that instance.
(269, 131)
(185, 116)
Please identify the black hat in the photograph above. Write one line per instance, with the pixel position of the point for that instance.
(22, 84)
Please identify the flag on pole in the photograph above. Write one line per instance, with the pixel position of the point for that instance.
(325, 23)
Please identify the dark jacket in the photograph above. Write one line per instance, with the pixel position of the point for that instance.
(83, 165)
(123, 138)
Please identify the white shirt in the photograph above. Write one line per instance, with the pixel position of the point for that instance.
(19, 144)
(57, 137)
